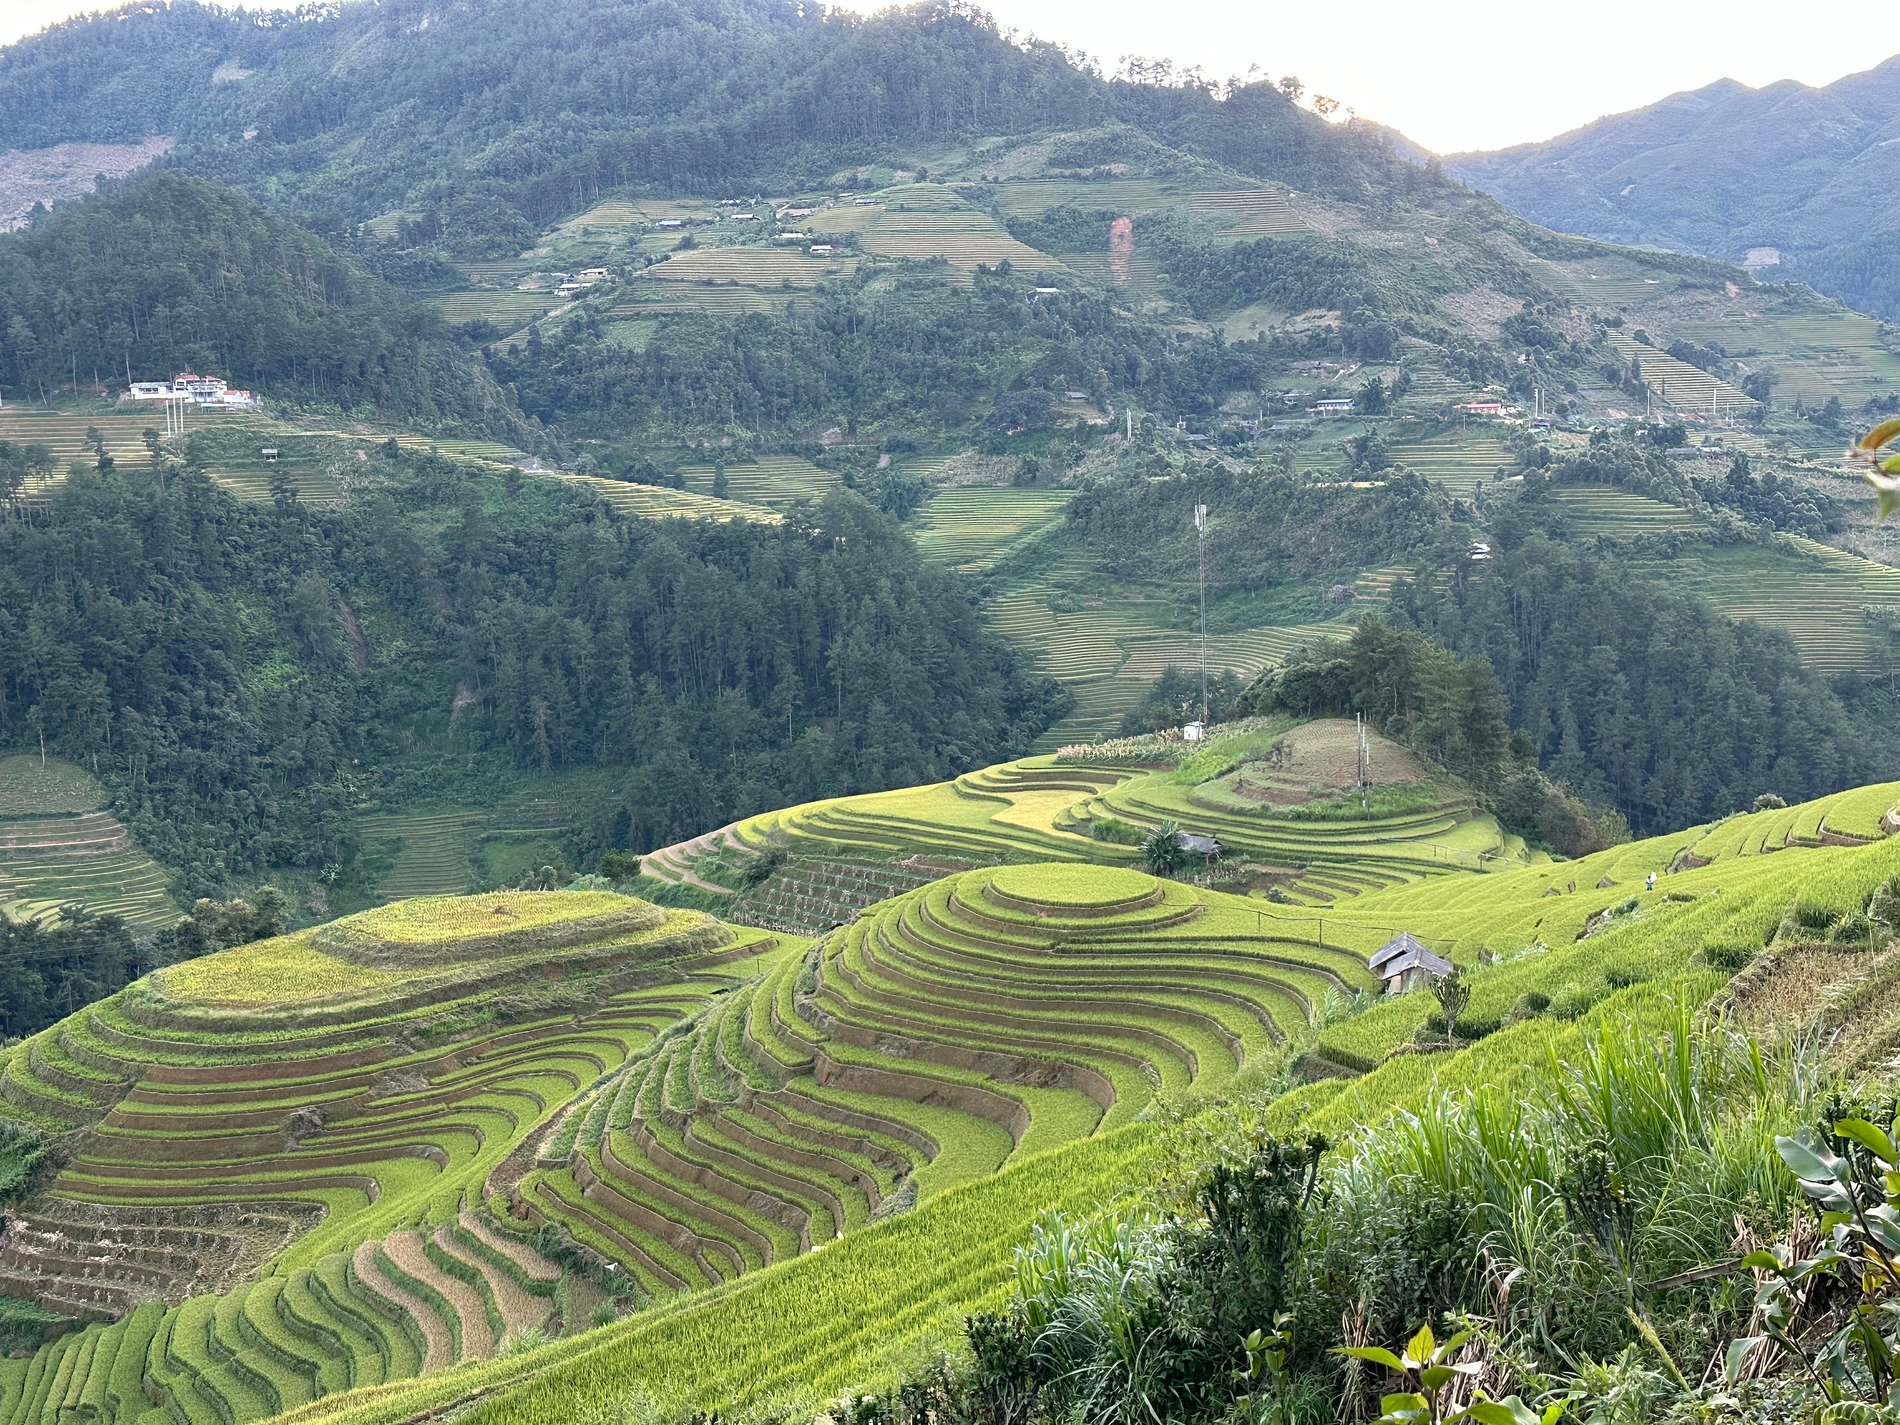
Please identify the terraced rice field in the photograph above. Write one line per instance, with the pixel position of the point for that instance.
(60, 847)
(620, 213)
(749, 266)
(1241, 213)
(769, 481)
(1606, 510)
(971, 527)
(508, 310)
(651, 299)
(431, 852)
(1460, 462)
(247, 476)
(250, 478)
(1814, 355)
(1249, 212)
(330, 1108)
(945, 1032)
(927, 221)
(657, 502)
(1140, 277)
(1814, 592)
(921, 974)
(504, 272)
(123, 429)
(1044, 808)
(1110, 651)
(1688, 388)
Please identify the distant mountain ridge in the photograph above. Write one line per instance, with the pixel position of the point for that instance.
(1813, 173)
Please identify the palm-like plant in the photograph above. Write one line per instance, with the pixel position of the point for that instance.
(1161, 850)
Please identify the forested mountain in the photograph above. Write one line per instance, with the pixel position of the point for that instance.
(1037, 311)
(487, 119)
(170, 273)
(242, 677)
(1812, 173)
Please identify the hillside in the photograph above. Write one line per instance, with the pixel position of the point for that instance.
(459, 639)
(436, 114)
(1788, 177)
(314, 1101)
(170, 274)
(371, 1097)
(1276, 792)
(1036, 325)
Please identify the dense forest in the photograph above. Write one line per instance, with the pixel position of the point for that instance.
(1644, 697)
(243, 677)
(170, 273)
(932, 356)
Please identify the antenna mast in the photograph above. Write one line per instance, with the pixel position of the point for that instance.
(1200, 530)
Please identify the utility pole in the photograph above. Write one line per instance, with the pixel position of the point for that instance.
(1200, 530)
(1365, 765)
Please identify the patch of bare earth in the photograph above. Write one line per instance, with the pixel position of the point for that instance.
(970, 468)
(1483, 310)
(66, 171)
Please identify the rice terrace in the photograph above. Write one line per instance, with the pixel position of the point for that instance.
(761, 714)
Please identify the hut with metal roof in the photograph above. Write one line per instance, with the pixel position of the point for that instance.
(1403, 963)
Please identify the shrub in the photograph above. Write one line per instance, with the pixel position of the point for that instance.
(762, 867)
(620, 865)
(1161, 850)
(1115, 831)
(1530, 1005)
(1726, 955)
(1575, 1001)
(1808, 920)
(1854, 929)
(1884, 904)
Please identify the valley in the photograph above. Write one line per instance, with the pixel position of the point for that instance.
(760, 715)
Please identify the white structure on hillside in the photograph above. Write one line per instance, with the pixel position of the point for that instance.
(211, 392)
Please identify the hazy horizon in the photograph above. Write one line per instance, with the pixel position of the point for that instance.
(1425, 70)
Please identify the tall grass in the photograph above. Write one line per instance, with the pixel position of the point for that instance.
(1555, 1210)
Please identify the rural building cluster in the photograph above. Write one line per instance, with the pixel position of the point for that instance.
(212, 392)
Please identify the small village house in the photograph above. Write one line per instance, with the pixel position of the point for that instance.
(1208, 848)
(1403, 964)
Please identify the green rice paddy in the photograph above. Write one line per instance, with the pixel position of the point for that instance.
(60, 848)
(726, 1149)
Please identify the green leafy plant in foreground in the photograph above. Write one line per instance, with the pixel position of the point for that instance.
(1884, 470)
(1434, 1370)
(1848, 1287)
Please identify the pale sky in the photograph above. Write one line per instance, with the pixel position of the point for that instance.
(1450, 76)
